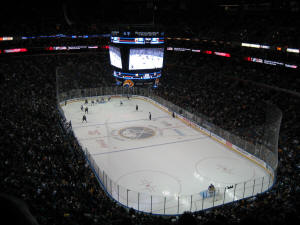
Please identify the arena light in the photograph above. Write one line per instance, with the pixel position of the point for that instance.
(25, 38)
(257, 60)
(265, 46)
(250, 45)
(224, 54)
(247, 58)
(207, 52)
(255, 46)
(6, 38)
(293, 50)
(291, 66)
(273, 63)
(181, 49)
(15, 50)
(60, 48)
(49, 48)
(77, 47)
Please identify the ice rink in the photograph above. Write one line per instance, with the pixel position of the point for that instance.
(161, 157)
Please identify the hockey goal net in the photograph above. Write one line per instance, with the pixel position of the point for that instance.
(211, 195)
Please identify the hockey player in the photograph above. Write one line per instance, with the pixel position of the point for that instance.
(136, 108)
(149, 115)
(86, 101)
(81, 107)
(84, 118)
(173, 115)
(211, 189)
(86, 110)
(92, 102)
(121, 103)
(70, 125)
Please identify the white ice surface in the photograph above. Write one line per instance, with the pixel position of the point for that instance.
(176, 161)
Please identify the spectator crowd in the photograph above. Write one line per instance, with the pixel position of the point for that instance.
(43, 165)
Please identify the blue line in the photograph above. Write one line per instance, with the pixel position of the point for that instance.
(126, 121)
(130, 149)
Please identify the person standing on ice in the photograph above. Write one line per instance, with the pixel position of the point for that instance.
(149, 115)
(211, 189)
(136, 107)
(84, 118)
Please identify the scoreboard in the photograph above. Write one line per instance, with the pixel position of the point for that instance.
(137, 40)
(137, 56)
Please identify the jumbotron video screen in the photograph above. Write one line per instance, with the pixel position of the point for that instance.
(146, 58)
(115, 57)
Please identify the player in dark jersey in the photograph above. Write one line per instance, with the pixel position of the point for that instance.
(211, 189)
(81, 107)
(86, 110)
(149, 115)
(84, 118)
(70, 125)
(136, 107)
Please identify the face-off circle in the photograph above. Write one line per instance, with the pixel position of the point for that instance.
(151, 182)
(135, 133)
(225, 170)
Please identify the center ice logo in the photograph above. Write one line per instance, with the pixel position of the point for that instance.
(136, 132)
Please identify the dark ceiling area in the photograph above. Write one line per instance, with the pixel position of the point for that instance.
(134, 11)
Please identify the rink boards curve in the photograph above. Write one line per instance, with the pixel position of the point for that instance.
(163, 164)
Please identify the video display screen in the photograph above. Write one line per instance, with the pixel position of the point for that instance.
(115, 56)
(137, 76)
(146, 58)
